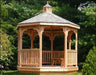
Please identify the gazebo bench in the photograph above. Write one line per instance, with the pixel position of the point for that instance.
(56, 60)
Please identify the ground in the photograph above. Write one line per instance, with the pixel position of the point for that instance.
(17, 73)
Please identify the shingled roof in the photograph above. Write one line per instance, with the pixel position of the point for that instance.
(47, 17)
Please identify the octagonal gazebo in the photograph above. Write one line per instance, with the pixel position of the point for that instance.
(48, 24)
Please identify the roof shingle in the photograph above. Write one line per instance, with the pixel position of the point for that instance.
(48, 18)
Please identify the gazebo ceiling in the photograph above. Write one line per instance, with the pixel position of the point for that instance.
(47, 18)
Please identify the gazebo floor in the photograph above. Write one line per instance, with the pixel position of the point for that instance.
(47, 69)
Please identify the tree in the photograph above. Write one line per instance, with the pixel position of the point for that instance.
(87, 33)
(5, 44)
(89, 68)
(3, 11)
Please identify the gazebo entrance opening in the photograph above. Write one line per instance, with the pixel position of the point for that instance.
(54, 56)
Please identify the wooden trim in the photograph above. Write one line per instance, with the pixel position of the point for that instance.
(71, 51)
(54, 24)
(61, 24)
(27, 24)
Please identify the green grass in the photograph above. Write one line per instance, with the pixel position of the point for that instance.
(17, 73)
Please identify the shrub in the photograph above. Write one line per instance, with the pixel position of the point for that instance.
(5, 51)
(89, 67)
(5, 61)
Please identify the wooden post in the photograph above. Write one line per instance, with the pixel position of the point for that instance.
(40, 31)
(52, 44)
(32, 39)
(51, 38)
(69, 39)
(76, 41)
(69, 42)
(32, 42)
(76, 47)
(65, 48)
(19, 45)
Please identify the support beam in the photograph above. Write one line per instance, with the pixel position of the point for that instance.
(32, 40)
(52, 44)
(19, 45)
(65, 48)
(20, 39)
(51, 38)
(40, 32)
(76, 45)
(76, 41)
(69, 40)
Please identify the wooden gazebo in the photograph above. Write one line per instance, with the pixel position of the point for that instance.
(48, 24)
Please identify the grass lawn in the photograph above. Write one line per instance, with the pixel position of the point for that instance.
(17, 73)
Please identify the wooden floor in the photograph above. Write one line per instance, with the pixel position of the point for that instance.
(47, 69)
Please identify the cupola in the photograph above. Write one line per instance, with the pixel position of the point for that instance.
(47, 8)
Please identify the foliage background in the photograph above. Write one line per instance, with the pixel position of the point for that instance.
(14, 11)
(89, 67)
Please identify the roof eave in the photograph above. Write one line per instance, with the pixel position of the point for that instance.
(43, 23)
(62, 24)
(26, 24)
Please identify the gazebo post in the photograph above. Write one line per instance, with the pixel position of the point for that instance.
(65, 47)
(51, 38)
(76, 41)
(32, 39)
(32, 43)
(19, 45)
(76, 38)
(51, 44)
(69, 40)
(40, 31)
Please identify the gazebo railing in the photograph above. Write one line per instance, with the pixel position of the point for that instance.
(30, 57)
(71, 57)
(47, 56)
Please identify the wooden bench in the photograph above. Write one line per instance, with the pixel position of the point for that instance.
(55, 61)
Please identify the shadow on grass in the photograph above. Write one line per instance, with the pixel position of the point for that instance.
(17, 73)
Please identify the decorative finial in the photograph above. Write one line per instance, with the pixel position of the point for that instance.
(47, 2)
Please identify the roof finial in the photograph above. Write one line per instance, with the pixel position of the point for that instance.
(47, 2)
